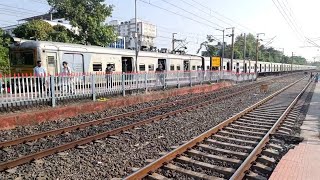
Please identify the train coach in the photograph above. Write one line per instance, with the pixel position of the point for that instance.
(83, 59)
(86, 59)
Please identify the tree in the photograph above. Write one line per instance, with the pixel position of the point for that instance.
(4, 52)
(211, 50)
(88, 16)
(36, 29)
(62, 34)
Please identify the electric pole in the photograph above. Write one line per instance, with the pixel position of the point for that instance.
(244, 52)
(291, 61)
(222, 55)
(136, 36)
(257, 54)
(173, 40)
(232, 47)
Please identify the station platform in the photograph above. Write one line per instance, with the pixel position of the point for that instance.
(303, 162)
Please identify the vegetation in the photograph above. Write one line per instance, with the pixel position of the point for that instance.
(86, 16)
(4, 52)
(268, 54)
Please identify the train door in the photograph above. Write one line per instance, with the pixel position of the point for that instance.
(186, 65)
(75, 62)
(228, 66)
(163, 62)
(203, 64)
(237, 68)
(265, 68)
(126, 64)
(260, 67)
(245, 67)
(51, 63)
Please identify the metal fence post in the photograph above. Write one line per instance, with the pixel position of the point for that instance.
(52, 90)
(93, 88)
(178, 80)
(123, 84)
(190, 79)
(146, 81)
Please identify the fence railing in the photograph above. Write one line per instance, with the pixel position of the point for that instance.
(23, 90)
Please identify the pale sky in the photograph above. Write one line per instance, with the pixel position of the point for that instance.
(247, 16)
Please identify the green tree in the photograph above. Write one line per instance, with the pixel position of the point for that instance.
(62, 34)
(210, 50)
(36, 29)
(4, 52)
(88, 16)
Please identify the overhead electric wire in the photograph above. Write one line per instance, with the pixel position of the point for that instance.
(159, 7)
(191, 13)
(223, 16)
(287, 21)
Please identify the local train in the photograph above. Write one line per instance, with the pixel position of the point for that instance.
(83, 59)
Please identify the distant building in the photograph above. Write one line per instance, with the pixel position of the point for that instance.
(120, 43)
(49, 18)
(147, 32)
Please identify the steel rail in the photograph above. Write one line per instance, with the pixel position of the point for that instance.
(241, 171)
(82, 141)
(183, 148)
(107, 119)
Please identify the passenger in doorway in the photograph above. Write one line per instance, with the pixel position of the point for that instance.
(317, 78)
(160, 74)
(109, 71)
(67, 78)
(39, 72)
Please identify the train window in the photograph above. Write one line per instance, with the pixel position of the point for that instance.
(97, 67)
(51, 60)
(178, 68)
(224, 67)
(22, 58)
(151, 67)
(112, 65)
(193, 67)
(142, 67)
(171, 67)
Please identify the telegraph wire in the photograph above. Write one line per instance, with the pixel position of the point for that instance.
(223, 16)
(191, 13)
(159, 7)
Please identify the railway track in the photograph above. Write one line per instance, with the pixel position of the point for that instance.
(228, 150)
(196, 102)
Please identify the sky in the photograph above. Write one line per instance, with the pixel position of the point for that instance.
(192, 20)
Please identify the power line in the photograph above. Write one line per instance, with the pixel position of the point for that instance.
(222, 15)
(27, 10)
(176, 13)
(190, 13)
(287, 21)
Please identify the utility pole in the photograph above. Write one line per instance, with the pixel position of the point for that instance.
(291, 61)
(257, 54)
(244, 52)
(173, 40)
(136, 35)
(222, 55)
(232, 47)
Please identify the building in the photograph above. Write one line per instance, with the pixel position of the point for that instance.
(49, 18)
(147, 32)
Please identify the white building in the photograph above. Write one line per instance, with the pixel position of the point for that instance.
(45, 17)
(146, 32)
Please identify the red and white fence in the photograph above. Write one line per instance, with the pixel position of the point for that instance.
(26, 89)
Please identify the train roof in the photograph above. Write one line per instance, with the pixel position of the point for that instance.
(48, 45)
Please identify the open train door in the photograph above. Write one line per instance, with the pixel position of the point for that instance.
(186, 65)
(163, 62)
(228, 66)
(127, 64)
(245, 67)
